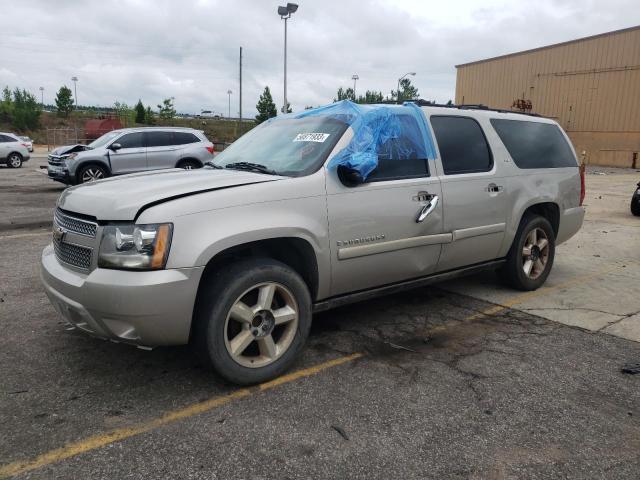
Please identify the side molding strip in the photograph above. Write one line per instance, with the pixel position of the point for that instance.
(477, 231)
(392, 245)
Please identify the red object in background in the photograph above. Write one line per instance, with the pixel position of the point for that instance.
(98, 127)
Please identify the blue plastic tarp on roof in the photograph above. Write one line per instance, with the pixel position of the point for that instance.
(377, 130)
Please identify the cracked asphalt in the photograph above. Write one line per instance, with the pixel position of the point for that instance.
(448, 386)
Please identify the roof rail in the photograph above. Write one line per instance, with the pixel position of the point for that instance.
(426, 103)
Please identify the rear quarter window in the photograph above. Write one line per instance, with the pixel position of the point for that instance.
(534, 144)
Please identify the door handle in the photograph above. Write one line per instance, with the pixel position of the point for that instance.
(493, 188)
(427, 209)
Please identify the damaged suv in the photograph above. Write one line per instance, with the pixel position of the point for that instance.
(307, 212)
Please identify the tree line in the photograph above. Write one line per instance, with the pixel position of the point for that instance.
(267, 108)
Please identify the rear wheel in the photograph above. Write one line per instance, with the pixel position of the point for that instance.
(635, 204)
(531, 256)
(14, 160)
(91, 173)
(252, 320)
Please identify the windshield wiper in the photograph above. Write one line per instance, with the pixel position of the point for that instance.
(253, 167)
(213, 165)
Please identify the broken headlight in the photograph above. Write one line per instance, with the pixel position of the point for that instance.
(135, 247)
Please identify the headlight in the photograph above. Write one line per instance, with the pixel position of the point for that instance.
(135, 247)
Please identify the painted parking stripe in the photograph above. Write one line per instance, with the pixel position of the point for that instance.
(76, 448)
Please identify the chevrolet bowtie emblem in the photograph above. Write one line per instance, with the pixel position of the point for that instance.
(58, 234)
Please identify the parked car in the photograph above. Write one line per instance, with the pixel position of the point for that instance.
(287, 221)
(13, 151)
(635, 202)
(130, 150)
(27, 142)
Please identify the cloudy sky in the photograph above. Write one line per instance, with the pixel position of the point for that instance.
(122, 50)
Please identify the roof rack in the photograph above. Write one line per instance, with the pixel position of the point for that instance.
(426, 103)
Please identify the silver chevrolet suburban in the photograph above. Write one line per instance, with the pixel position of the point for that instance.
(307, 212)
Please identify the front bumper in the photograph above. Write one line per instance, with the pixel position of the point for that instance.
(59, 173)
(142, 308)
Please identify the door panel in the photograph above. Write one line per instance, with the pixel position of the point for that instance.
(161, 150)
(375, 238)
(131, 157)
(473, 190)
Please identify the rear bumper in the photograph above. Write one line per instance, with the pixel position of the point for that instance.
(570, 222)
(142, 308)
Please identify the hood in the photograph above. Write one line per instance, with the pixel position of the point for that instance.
(67, 149)
(123, 198)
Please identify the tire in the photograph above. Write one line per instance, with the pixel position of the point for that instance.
(91, 173)
(14, 160)
(522, 257)
(247, 347)
(188, 165)
(635, 205)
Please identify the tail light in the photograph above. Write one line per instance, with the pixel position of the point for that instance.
(210, 149)
(25, 145)
(583, 189)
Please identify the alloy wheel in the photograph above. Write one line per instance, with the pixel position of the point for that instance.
(261, 325)
(92, 174)
(535, 253)
(15, 161)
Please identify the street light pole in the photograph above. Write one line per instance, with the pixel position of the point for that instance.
(355, 78)
(75, 90)
(400, 79)
(42, 97)
(229, 92)
(285, 14)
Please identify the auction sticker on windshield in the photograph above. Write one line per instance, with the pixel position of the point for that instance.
(311, 137)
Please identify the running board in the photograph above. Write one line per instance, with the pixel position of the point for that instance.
(402, 286)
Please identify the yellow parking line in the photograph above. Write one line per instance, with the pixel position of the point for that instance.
(103, 439)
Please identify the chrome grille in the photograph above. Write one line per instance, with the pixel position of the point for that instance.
(73, 254)
(75, 225)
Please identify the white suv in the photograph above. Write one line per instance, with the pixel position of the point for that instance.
(13, 151)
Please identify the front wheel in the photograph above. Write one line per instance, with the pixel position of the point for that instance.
(531, 256)
(91, 173)
(189, 165)
(252, 320)
(14, 160)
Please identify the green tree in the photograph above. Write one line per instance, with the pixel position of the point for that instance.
(166, 110)
(344, 94)
(6, 105)
(265, 106)
(124, 112)
(26, 110)
(148, 116)
(407, 91)
(370, 96)
(64, 101)
(450, 102)
(140, 112)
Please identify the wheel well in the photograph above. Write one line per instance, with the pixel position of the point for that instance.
(294, 252)
(548, 210)
(17, 153)
(86, 164)
(188, 159)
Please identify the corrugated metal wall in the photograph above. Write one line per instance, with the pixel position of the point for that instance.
(591, 86)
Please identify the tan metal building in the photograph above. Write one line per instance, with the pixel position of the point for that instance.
(591, 86)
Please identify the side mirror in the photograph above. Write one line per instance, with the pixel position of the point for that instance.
(349, 177)
(115, 147)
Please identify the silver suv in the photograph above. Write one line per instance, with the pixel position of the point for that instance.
(13, 150)
(308, 212)
(130, 150)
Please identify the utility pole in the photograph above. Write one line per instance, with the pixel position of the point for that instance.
(285, 14)
(229, 92)
(42, 97)
(75, 90)
(240, 94)
(355, 78)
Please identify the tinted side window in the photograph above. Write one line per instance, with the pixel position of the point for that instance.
(462, 144)
(403, 156)
(131, 140)
(4, 138)
(159, 139)
(182, 138)
(534, 144)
